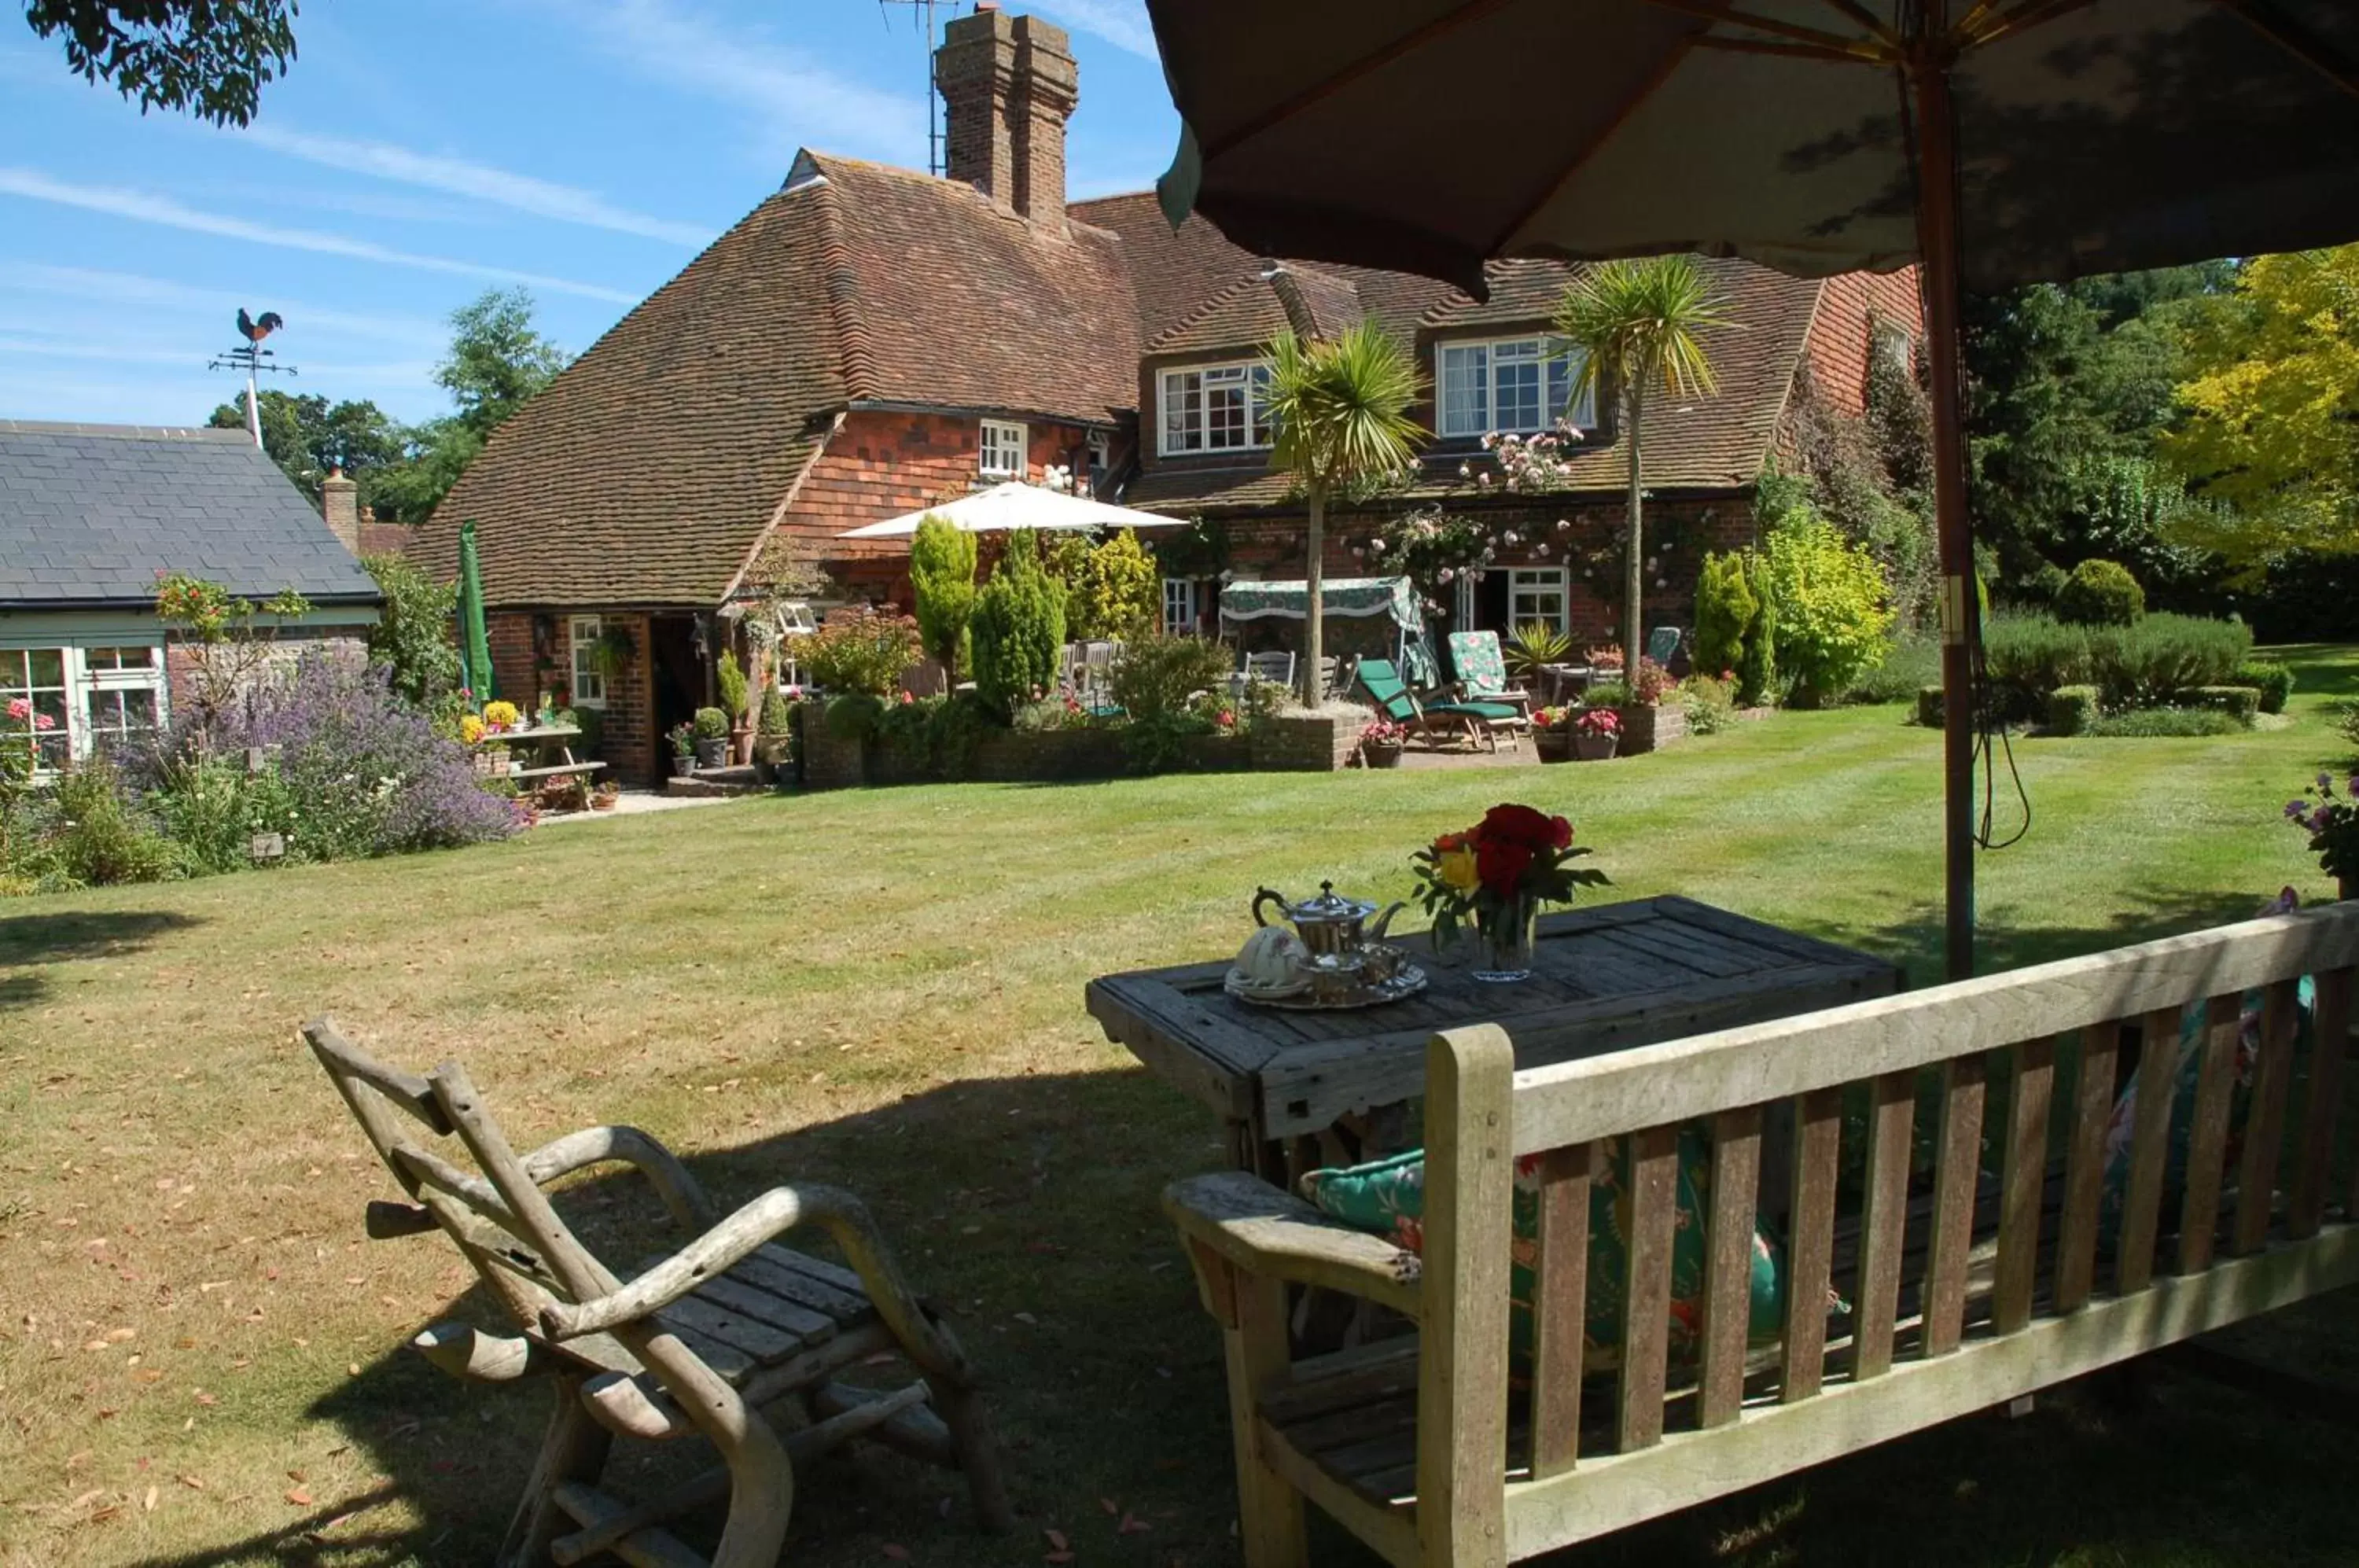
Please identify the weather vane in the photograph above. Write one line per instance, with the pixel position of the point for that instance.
(249, 356)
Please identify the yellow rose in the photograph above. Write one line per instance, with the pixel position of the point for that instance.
(1457, 868)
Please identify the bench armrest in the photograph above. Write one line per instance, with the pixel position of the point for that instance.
(1265, 1232)
(681, 1193)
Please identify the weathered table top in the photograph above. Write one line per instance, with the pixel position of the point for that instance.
(1605, 979)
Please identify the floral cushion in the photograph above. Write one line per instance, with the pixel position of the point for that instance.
(1388, 1197)
(1482, 668)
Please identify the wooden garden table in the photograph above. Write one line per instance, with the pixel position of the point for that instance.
(1298, 1089)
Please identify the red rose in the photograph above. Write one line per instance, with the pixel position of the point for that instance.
(1500, 863)
(1520, 824)
(1561, 838)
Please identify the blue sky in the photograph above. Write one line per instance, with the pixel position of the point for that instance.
(422, 150)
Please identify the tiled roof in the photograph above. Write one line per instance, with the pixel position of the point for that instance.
(89, 514)
(1716, 442)
(647, 471)
(1520, 291)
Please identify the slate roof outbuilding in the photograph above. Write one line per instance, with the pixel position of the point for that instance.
(90, 513)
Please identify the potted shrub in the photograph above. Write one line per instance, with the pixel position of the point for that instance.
(732, 678)
(773, 737)
(1648, 724)
(603, 799)
(712, 738)
(683, 749)
(1552, 734)
(1381, 740)
(2332, 824)
(1596, 734)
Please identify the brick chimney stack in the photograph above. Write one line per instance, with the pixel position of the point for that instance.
(340, 499)
(1008, 84)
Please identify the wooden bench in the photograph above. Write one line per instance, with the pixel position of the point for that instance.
(556, 770)
(1967, 1291)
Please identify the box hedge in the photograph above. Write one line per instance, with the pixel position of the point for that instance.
(2073, 710)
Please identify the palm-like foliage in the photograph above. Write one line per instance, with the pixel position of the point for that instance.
(1638, 325)
(1340, 408)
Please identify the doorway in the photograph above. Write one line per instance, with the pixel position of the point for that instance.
(676, 676)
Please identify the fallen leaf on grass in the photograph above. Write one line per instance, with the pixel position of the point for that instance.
(192, 1483)
(298, 1495)
(147, 1504)
(1108, 1504)
(1057, 1539)
(1131, 1525)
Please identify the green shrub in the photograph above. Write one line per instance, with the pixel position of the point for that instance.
(212, 810)
(1725, 607)
(2100, 594)
(1756, 666)
(1929, 706)
(2038, 588)
(1018, 629)
(2145, 724)
(957, 727)
(2346, 722)
(941, 575)
(2025, 657)
(1833, 610)
(903, 727)
(1159, 743)
(2274, 682)
(1156, 674)
(856, 715)
(2239, 703)
(711, 723)
(413, 636)
(2073, 710)
(1910, 663)
(1114, 590)
(2142, 666)
(859, 650)
(731, 676)
(1711, 702)
(1606, 694)
(1050, 713)
(100, 838)
(777, 713)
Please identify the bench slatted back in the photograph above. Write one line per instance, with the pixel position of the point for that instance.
(1959, 1051)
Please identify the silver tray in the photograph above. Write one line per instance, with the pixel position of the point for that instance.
(1400, 987)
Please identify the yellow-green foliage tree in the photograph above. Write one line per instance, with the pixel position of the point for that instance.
(1834, 609)
(2270, 407)
(941, 575)
(1117, 591)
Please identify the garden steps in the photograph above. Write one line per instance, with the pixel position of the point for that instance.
(715, 783)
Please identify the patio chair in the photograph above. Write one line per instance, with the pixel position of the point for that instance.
(1482, 668)
(1470, 722)
(697, 1342)
(1098, 659)
(1663, 645)
(1278, 667)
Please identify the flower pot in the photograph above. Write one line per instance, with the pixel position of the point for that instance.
(1503, 942)
(683, 765)
(1381, 753)
(1554, 744)
(1595, 749)
(741, 746)
(602, 802)
(712, 753)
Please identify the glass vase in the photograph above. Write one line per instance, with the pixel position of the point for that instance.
(1503, 940)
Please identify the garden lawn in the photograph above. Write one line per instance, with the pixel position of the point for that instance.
(199, 1353)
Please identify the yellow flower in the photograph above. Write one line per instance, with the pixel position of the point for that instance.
(1457, 868)
(501, 714)
(471, 728)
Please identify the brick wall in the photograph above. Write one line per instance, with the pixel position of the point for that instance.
(348, 644)
(1842, 333)
(627, 744)
(880, 465)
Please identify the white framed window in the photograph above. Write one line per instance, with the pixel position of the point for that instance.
(1101, 451)
(1539, 593)
(1178, 606)
(67, 703)
(1515, 386)
(794, 621)
(582, 635)
(1896, 347)
(1216, 408)
(1002, 450)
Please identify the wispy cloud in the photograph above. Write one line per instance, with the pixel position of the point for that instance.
(1122, 23)
(131, 290)
(790, 94)
(413, 374)
(141, 207)
(481, 182)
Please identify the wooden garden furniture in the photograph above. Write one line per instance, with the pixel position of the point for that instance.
(1482, 668)
(722, 1339)
(1965, 1292)
(1473, 723)
(1300, 1089)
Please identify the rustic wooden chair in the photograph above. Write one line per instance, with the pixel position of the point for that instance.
(697, 1342)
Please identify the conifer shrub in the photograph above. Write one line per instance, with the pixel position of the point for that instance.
(1018, 629)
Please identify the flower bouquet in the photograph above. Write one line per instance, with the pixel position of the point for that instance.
(1596, 732)
(2333, 824)
(1495, 876)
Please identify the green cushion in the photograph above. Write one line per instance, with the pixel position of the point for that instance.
(1388, 1197)
(1479, 709)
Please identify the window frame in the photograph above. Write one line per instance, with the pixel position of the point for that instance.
(1260, 431)
(581, 661)
(1005, 431)
(1190, 600)
(1552, 351)
(79, 681)
(1557, 579)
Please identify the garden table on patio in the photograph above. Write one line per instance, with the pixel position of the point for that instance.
(545, 753)
(1300, 1089)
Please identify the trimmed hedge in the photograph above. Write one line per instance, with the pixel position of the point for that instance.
(2275, 681)
(2073, 710)
(2151, 723)
(2139, 666)
(2101, 594)
(2240, 702)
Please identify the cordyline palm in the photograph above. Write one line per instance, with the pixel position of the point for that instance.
(1639, 324)
(1340, 408)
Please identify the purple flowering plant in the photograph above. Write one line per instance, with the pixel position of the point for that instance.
(2333, 822)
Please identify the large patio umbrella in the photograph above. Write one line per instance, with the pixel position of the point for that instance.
(1999, 142)
(474, 641)
(1005, 508)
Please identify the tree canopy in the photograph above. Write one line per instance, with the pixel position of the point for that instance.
(307, 436)
(208, 57)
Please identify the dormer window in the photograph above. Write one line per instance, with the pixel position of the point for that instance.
(1508, 385)
(1216, 408)
(1002, 450)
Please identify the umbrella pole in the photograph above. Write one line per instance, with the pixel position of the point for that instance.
(1939, 247)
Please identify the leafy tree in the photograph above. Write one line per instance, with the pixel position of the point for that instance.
(1340, 406)
(2272, 396)
(497, 359)
(307, 436)
(209, 58)
(1832, 609)
(226, 639)
(1639, 324)
(413, 636)
(942, 572)
(1117, 591)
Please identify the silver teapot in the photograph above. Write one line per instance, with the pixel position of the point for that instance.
(1331, 927)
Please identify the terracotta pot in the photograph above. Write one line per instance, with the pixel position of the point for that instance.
(741, 745)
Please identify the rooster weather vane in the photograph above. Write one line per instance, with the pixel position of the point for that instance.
(251, 357)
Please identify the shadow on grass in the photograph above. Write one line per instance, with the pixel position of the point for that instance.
(2000, 944)
(1027, 1207)
(2320, 670)
(39, 939)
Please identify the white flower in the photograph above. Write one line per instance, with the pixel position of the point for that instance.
(1465, 470)
(1564, 525)
(1511, 538)
(1662, 583)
